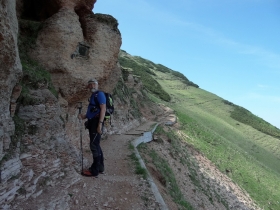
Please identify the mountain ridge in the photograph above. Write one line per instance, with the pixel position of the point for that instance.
(208, 118)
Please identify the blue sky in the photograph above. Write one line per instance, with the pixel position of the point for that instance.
(228, 47)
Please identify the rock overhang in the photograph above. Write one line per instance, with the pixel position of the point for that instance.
(70, 28)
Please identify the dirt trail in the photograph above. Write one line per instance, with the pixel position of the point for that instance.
(119, 187)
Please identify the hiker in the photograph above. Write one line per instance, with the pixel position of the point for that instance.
(95, 116)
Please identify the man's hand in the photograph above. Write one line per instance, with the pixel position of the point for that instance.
(99, 128)
(81, 116)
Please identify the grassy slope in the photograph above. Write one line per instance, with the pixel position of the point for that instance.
(249, 157)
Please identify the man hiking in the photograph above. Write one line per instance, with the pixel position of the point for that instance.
(95, 115)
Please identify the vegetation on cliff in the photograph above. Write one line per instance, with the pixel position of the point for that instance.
(146, 70)
(245, 116)
(146, 77)
(34, 75)
(164, 69)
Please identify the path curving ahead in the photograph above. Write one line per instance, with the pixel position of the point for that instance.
(145, 138)
(119, 188)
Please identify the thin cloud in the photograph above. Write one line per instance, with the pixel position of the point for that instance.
(270, 59)
(267, 98)
(263, 86)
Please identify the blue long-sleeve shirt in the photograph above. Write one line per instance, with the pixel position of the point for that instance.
(93, 109)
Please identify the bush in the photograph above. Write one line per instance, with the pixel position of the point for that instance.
(145, 73)
(244, 116)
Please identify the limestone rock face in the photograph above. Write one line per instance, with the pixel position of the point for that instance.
(59, 45)
(43, 157)
(10, 68)
(74, 45)
(103, 35)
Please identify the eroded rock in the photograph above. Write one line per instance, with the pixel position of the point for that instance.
(10, 67)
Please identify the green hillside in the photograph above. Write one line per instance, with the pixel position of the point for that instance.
(145, 69)
(240, 144)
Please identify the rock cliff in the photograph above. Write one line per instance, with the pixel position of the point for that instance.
(49, 50)
(10, 70)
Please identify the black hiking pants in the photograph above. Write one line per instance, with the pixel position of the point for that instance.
(97, 154)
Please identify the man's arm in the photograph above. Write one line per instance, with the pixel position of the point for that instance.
(101, 117)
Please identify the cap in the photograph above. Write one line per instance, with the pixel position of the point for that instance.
(92, 81)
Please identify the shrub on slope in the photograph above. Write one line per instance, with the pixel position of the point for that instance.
(244, 116)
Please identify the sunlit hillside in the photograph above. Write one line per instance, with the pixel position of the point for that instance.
(241, 145)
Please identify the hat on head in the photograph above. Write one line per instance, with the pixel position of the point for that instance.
(92, 81)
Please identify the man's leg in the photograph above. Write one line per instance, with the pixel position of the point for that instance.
(95, 149)
(101, 166)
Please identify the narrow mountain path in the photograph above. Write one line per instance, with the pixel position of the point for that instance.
(119, 187)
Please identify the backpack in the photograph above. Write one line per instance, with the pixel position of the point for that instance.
(109, 105)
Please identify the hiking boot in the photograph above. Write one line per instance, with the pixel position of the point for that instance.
(87, 173)
(100, 170)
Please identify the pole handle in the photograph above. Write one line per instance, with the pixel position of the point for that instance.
(80, 105)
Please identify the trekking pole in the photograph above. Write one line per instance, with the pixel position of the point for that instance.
(80, 105)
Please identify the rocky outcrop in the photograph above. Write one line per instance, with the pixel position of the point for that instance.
(10, 70)
(73, 45)
(9, 75)
(62, 44)
(76, 48)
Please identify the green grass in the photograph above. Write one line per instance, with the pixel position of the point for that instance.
(146, 70)
(137, 166)
(169, 177)
(34, 76)
(124, 93)
(180, 153)
(159, 67)
(246, 117)
(251, 156)
(240, 144)
(146, 76)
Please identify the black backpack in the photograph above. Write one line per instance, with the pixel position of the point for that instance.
(109, 105)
